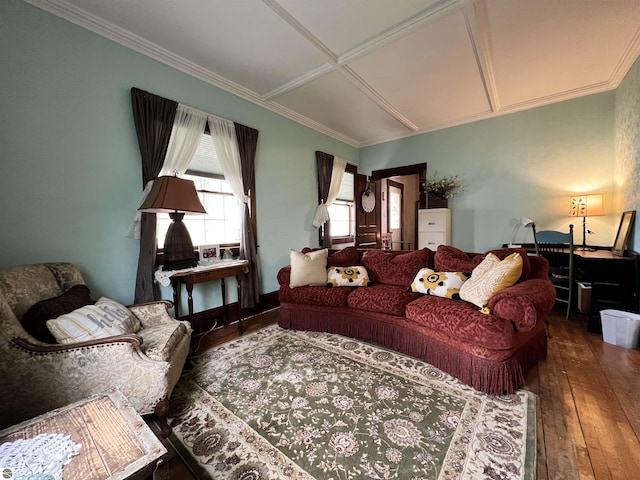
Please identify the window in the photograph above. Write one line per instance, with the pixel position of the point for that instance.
(223, 221)
(342, 211)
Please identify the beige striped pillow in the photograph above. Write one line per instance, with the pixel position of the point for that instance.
(104, 319)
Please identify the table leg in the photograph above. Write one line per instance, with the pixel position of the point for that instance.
(240, 327)
(176, 297)
(189, 286)
(224, 302)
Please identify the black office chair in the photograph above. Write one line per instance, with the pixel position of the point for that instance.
(557, 248)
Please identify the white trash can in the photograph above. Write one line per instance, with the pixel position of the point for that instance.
(620, 328)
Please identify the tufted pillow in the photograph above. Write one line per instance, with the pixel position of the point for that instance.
(34, 320)
(441, 284)
(356, 276)
(308, 268)
(396, 267)
(104, 319)
(490, 277)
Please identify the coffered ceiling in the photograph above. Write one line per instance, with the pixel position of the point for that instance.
(368, 71)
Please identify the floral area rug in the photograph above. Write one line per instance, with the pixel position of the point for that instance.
(280, 404)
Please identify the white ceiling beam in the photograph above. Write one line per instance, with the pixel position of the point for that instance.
(475, 17)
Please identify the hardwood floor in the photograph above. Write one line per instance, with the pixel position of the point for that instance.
(588, 408)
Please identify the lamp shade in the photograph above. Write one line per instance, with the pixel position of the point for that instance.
(586, 205)
(172, 194)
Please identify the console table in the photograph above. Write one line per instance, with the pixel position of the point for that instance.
(116, 442)
(216, 271)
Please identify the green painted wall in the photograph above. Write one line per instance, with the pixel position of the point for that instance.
(522, 164)
(627, 167)
(71, 176)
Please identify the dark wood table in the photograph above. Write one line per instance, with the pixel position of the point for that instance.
(116, 442)
(216, 271)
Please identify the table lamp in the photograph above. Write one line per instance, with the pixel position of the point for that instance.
(586, 206)
(177, 197)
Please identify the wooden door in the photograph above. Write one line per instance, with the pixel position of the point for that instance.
(367, 222)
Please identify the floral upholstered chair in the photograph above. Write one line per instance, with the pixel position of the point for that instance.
(140, 350)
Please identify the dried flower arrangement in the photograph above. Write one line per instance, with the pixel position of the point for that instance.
(445, 187)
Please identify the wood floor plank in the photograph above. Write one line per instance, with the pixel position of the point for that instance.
(611, 442)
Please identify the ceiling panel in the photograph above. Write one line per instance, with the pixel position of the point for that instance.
(333, 100)
(431, 75)
(244, 41)
(541, 49)
(341, 25)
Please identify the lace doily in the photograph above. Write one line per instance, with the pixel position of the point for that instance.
(43, 454)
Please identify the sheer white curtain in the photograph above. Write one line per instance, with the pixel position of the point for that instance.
(185, 137)
(223, 133)
(337, 172)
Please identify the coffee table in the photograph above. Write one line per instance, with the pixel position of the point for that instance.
(116, 442)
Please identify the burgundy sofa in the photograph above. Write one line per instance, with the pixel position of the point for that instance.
(489, 351)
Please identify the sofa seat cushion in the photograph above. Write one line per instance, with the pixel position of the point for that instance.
(160, 341)
(396, 267)
(324, 296)
(461, 321)
(389, 299)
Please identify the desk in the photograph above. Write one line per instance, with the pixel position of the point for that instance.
(216, 271)
(116, 442)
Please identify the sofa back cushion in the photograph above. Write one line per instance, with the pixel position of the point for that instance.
(396, 267)
(35, 319)
(344, 257)
(451, 259)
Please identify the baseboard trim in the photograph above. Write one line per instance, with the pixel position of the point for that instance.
(202, 321)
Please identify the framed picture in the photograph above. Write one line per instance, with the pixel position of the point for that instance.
(209, 253)
(624, 233)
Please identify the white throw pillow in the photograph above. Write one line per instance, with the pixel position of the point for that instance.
(104, 319)
(308, 268)
(490, 277)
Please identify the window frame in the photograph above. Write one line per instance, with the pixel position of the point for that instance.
(351, 238)
(235, 247)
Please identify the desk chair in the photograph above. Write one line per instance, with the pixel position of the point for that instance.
(557, 248)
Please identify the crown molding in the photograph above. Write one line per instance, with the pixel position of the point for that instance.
(112, 32)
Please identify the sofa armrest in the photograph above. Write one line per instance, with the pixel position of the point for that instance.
(524, 303)
(153, 313)
(284, 275)
(134, 340)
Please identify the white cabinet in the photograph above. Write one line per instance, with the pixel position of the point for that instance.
(434, 227)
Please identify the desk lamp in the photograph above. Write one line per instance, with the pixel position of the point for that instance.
(177, 197)
(524, 222)
(586, 206)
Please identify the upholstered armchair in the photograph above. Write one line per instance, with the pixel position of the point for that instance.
(37, 376)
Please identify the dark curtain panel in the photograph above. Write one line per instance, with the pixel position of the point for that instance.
(247, 145)
(324, 165)
(153, 117)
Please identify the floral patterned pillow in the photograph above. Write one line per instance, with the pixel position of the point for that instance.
(356, 276)
(440, 284)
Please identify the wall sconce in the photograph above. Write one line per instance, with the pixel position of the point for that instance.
(586, 206)
(525, 222)
(175, 196)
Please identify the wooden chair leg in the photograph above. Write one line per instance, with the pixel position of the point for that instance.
(161, 411)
